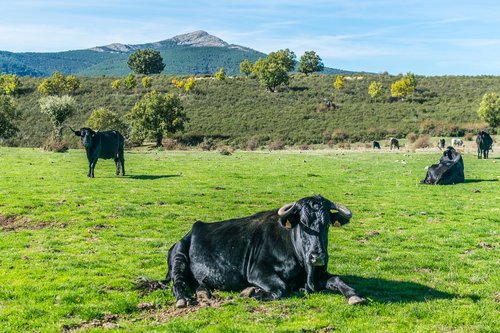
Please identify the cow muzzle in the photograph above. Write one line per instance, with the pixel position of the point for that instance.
(317, 259)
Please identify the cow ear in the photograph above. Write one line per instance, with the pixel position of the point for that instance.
(287, 222)
(92, 133)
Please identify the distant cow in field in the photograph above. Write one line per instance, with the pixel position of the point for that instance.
(450, 169)
(457, 142)
(484, 143)
(442, 143)
(106, 144)
(266, 256)
(376, 145)
(394, 143)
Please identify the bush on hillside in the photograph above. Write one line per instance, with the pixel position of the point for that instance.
(423, 142)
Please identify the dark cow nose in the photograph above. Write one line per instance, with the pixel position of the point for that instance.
(317, 259)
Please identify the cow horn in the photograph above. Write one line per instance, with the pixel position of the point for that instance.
(343, 210)
(76, 132)
(286, 209)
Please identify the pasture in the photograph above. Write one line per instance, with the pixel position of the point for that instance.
(425, 257)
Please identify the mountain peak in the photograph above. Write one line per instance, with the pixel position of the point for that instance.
(199, 38)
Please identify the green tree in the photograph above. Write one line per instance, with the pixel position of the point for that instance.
(9, 84)
(103, 119)
(155, 116)
(147, 82)
(129, 82)
(58, 109)
(339, 82)
(310, 62)
(285, 58)
(8, 115)
(246, 67)
(375, 89)
(146, 61)
(221, 74)
(271, 73)
(59, 85)
(489, 109)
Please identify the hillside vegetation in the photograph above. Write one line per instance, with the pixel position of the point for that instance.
(309, 111)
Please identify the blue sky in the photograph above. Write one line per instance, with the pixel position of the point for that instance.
(424, 37)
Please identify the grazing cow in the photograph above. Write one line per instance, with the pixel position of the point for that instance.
(394, 143)
(457, 142)
(442, 143)
(484, 143)
(376, 145)
(450, 169)
(267, 255)
(106, 144)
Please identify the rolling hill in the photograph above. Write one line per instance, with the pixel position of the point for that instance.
(192, 53)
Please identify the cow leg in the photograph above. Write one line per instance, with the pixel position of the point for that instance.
(180, 271)
(273, 287)
(122, 162)
(335, 283)
(117, 164)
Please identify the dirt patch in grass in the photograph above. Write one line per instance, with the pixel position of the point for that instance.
(165, 314)
(108, 322)
(15, 222)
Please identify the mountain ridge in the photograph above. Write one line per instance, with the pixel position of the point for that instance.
(197, 52)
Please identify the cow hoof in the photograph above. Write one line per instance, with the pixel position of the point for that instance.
(353, 300)
(181, 303)
(248, 292)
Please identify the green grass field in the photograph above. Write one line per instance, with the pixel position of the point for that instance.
(426, 257)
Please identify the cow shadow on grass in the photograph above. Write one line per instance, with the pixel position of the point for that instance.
(151, 177)
(388, 291)
(479, 180)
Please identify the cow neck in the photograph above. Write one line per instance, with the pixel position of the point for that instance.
(296, 241)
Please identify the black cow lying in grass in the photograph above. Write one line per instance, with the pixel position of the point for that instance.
(106, 144)
(450, 169)
(266, 255)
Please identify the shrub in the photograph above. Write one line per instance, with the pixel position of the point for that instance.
(225, 150)
(411, 137)
(339, 135)
(423, 142)
(276, 145)
(207, 144)
(469, 136)
(344, 145)
(252, 144)
(55, 144)
(170, 144)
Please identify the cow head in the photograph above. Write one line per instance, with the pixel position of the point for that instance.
(309, 220)
(86, 136)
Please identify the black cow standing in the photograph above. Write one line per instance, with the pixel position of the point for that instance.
(376, 145)
(267, 255)
(450, 169)
(484, 143)
(106, 144)
(442, 143)
(394, 143)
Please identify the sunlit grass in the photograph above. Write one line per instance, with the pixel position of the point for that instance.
(426, 257)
